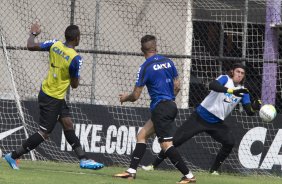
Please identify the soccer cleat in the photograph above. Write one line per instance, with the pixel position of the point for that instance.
(184, 180)
(148, 168)
(90, 164)
(12, 162)
(215, 173)
(126, 175)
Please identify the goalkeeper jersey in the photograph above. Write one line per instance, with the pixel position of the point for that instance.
(217, 106)
(64, 64)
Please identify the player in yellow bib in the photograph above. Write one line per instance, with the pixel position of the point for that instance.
(64, 65)
(64, 71)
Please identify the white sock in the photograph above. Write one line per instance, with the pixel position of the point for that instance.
(130, 170)
(189, 175)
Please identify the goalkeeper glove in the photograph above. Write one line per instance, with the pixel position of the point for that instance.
(256, 105)
(238, 92)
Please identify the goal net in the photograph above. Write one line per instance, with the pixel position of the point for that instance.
(202, 37)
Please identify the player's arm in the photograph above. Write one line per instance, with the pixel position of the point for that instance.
(249, 107)
(36, 46)
(74, 71)
(133, 96)
(31, 44)
(139, 85)
(176, 83)
(74, 82)
(218, 86)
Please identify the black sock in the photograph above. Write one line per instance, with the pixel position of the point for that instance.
(18, 153)
(80, 153)
(221, 156)
(160, 158)
(31, 143)
(176, 160)
(137, 155)
(73, 140)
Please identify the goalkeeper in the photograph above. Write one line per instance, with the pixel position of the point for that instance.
(226, 92)
(64, 71)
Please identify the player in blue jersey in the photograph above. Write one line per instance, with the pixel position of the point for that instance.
(226, 92)
(160, 76)
(64, 71)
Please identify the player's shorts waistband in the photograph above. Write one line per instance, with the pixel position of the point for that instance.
(41, 93)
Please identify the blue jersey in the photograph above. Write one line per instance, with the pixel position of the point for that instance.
(158, 74)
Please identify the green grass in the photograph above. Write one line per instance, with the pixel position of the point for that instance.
(39, 172)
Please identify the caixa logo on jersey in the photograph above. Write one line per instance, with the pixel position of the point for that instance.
(257, 152)
(162, 66)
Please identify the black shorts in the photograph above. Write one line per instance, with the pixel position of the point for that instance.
(163, 119)
(51, 109)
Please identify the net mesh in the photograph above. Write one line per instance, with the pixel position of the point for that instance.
(202, 37)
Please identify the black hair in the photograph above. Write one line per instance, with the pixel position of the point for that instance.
(238, 65)
(148, 43)
(233, 67)
(72, 32)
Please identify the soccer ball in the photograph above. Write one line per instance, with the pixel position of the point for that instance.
(267, 112)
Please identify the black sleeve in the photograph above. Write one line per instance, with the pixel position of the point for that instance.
(249, 110)
(217, 87)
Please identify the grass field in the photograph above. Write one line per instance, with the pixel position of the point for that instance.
(39, 172)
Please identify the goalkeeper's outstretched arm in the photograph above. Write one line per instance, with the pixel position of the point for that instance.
(217, 87)
(251, 108)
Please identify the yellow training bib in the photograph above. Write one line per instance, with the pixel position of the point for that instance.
(58, 79)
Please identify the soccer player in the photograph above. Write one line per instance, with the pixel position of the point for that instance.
(160, 76)
(226, 92)
(64, 71)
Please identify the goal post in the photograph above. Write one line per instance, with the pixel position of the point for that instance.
(186, 66)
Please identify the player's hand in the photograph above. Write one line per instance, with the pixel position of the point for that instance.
(238, 92)
(35, 29)
(257, 104)
(122, 97)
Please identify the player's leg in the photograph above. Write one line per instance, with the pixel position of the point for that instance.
(191, 127)
(49, 111)
(176, 159)
(163, 118)
(72, 139)
(183, 133)
(221, 133)
(139, 151)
